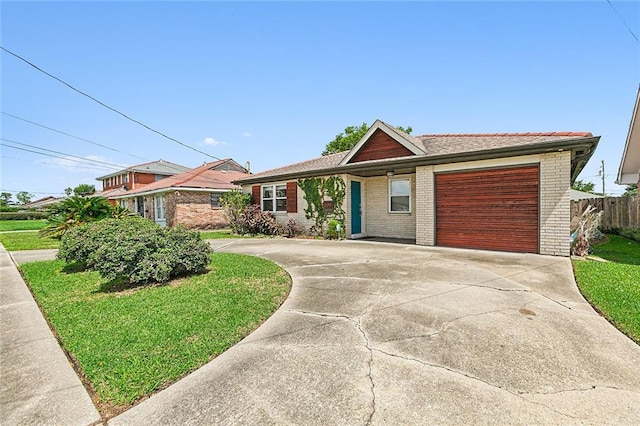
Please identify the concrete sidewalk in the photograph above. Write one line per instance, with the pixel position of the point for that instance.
(38, 384)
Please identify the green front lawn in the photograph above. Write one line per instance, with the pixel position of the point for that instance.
(14, 241)
(132, 343)
(613, 287)
(22, 225)
(214, 235)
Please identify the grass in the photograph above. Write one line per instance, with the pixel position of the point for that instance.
(135, 342)
(613, 287)
(14, 241)
(22, 225)
(214, 235)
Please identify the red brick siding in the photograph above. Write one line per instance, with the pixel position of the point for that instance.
(379, 146)
(193, 210)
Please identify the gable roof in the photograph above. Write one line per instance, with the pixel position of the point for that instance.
(439, 149)
(629, 169)
(159, 167)
(409, 143)
(217, 175)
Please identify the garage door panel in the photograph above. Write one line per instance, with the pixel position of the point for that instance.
(488, 209)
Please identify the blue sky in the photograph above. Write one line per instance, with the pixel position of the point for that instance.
(272, 83)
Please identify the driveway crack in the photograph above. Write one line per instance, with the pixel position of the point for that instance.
(493, 385)
(370, 364)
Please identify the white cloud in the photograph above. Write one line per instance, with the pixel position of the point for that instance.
(213, 142)
(247, 134)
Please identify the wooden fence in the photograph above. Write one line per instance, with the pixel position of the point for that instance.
(619, 212)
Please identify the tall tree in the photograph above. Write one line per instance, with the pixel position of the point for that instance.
(24, 197)
(68, 191)
(5, 197)
(84, 189)
(346, 140)
(583, 186)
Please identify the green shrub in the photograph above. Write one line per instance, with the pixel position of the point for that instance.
(23, 215)
(234, 203)
(135, 250)
(81, 241)
(332, 229)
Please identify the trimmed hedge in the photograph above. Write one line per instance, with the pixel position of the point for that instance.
(24, 215)
(135, 250)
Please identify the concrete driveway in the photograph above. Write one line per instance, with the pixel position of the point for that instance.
(376, 333)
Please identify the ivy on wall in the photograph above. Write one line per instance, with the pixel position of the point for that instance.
(316, 189)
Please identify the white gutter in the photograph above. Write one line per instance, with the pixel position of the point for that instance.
(173, 188)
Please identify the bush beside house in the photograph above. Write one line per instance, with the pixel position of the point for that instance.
(135, 250)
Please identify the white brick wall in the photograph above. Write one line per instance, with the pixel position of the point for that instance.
(378, 222)
(425, 206)
(555, 214)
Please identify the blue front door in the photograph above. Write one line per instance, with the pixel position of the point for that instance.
(356, 208)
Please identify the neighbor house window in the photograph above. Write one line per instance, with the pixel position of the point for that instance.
(400, 195)
(159, 207)
(125, 178)
(215, 199)
(274, 198)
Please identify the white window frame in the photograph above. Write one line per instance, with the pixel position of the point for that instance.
(274, 198)
(159, 208)
(404, 195)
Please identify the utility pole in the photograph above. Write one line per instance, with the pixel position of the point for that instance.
(601, 173)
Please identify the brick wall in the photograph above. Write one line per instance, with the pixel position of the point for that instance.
(378, 221)
(425, 206)
(555, 213)
(193, 210)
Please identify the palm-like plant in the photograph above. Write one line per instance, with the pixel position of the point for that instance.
(75, 211)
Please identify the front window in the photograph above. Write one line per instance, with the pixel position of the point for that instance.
(125, 178)
(215, 199)
(274, 198)
(400, 195)
(159, 207)
(123, 203)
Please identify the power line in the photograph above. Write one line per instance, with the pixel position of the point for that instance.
(623, 21)
(93, 167)
(90, 161)
(30, 192)
(72, 136)
(171, 166)
(105, 105)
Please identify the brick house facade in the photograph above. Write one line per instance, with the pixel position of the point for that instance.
(190, 198)
(523, 192)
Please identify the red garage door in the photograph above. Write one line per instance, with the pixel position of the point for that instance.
(493, 209)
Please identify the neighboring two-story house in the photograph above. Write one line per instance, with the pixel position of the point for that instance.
(136, 177)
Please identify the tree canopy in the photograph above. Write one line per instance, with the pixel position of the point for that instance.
(5, 198)
(84, 189)
(631, 190)
(580, 185)
(346, 140)
(24, 197)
